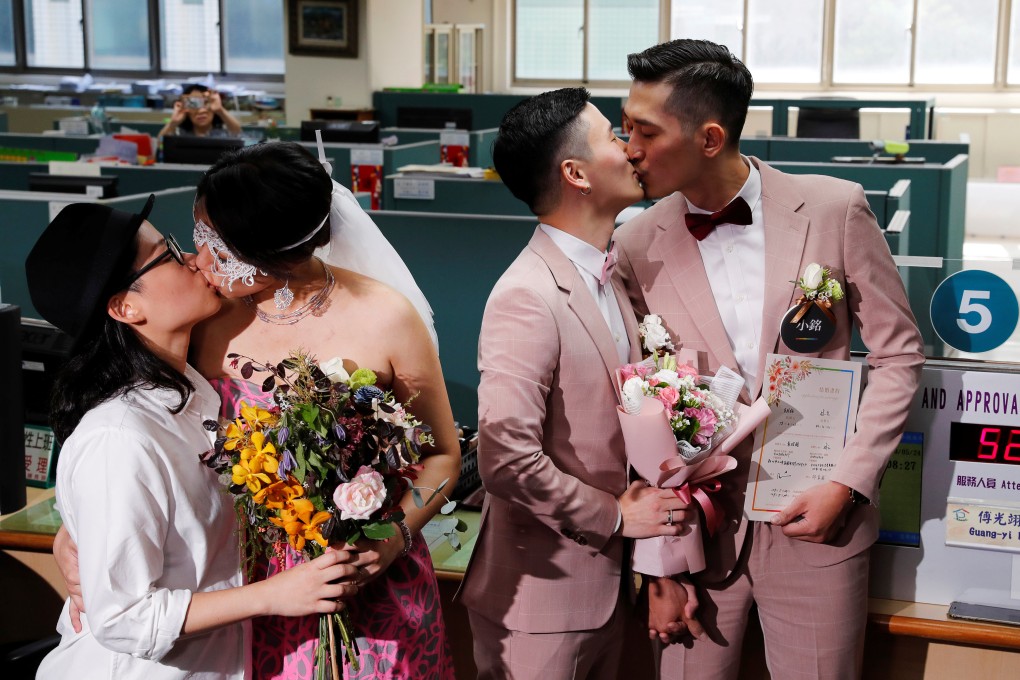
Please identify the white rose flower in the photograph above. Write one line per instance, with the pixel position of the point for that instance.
(812, 276)
(671, 378)
(335, 371)
(654, 333)
(632, 392)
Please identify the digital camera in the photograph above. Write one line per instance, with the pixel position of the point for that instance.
(195, 103)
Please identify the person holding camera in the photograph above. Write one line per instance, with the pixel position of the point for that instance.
(199, 111)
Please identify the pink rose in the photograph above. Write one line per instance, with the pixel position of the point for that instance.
(642, 371)
(360, 497)
(668, 396)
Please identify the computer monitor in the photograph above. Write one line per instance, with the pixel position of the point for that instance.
(434, 117)
(94, 186)
(341, 131)
(195, 150)
(44, 350)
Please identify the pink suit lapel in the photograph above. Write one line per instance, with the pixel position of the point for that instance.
(629, 320)
(785, 236)
(579, 299)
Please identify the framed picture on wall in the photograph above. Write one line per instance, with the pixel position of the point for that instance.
(323, 28)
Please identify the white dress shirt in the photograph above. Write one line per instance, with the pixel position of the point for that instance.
(734, 257)
(588, 261)
(153, 525)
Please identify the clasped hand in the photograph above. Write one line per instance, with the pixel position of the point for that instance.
(649, 512)
(672, 609)
(373, 557)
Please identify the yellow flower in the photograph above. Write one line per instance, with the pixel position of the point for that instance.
(235, 435)
(259, 457)
(257, 418)
(242, 473)
(279, 493)
(301, 526)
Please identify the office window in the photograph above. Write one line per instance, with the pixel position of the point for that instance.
(721, 21)
(53, 35)
(784, 40)
(1013, 62)
(617, 28)
(549, 41)
(7, 55)
(189, 35)
(552, 41)
(872, 42)
(253, 36)
(956, 41)
(118, 35)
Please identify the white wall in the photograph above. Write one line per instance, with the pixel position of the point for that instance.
(390, 54)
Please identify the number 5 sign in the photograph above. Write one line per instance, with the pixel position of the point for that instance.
(974, 311)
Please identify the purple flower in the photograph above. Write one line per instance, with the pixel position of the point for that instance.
(287, 464)
(340, 432)
(282, 434)
(364, 395)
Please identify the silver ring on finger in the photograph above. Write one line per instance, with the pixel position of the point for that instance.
(669, 518)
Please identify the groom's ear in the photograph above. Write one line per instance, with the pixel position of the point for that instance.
(573, 174)
(712, 137)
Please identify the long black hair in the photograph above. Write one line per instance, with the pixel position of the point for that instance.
(263, 198)
(107, 360)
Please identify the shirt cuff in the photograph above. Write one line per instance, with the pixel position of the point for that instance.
(169, 623)
(619, 517)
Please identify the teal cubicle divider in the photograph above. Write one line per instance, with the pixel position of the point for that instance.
(921, 110)
(26, 214)
(468, 196)
(487, 109)
(824, 150)
(78, 145)
(132, 179)
(456, 260)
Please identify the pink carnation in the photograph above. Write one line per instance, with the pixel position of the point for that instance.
(684, 370)
(705, 417)
(626, 373)
(643, 371)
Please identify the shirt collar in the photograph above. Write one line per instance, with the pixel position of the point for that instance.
(581, 253)
(750, 192)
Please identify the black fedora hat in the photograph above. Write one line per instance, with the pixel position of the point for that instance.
(73, 268)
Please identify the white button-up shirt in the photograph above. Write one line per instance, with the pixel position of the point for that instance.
(153, 525)
(734, 257)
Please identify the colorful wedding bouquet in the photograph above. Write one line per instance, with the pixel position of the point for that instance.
(678, 427)
(327, 464)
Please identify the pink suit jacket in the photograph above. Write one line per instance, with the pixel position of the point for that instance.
(807, 218)
(550, 451)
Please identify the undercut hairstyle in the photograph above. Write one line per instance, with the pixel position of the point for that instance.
(708, 82)
(536, 135)
(263, 199)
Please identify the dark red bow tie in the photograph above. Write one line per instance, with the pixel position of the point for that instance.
(702, 224)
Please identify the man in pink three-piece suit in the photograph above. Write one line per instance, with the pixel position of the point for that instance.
(548, 583)
(726, 295)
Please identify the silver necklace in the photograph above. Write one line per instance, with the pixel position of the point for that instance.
(314, 303)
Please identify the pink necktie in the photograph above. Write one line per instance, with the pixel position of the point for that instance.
(609, 265)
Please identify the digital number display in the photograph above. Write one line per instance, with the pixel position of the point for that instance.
(977, 443)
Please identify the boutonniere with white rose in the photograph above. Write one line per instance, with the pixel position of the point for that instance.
(810, 324)
(654, 336)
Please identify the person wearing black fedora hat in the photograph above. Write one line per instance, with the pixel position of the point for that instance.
(158, 549)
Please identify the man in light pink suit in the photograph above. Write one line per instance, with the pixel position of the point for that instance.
(548, 583)
(726, 295)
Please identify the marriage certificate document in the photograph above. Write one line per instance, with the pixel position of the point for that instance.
(813, 406)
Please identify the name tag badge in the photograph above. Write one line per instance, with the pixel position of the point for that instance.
(806, 328)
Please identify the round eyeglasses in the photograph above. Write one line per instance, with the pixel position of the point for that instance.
(173, 250)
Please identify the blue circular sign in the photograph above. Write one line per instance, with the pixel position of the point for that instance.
(974, 311)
